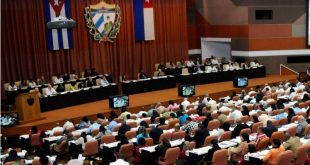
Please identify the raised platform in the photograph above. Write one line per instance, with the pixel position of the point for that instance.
(137, 101)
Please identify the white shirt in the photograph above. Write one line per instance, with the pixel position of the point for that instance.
(32, 84)
(214, 61)
(75, 162)
(104, 82)
(214, 69)
(68, 124)
(57, 129)
(58, 80)
(185, 103)
(50, 92)
(209, 69)
(236, 114)
(12, 88)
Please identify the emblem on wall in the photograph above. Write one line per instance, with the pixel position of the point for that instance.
(103, 21)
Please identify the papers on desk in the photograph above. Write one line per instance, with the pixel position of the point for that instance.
(95, 87)
(177, 142)
(85, 89)
(236, 140)
(286, 127)
(52, 138)
(201, 151)
(303, 140)
(259, 155)
(79, 131)
(21, 154)
(109, 145)
(26, 136)
(119, 162)
(227, 144)
(148, 149)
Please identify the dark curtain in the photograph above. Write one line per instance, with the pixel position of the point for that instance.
(25, 55)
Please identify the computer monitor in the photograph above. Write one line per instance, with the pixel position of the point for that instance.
(186, 90)
(240, 82)
(118, 101)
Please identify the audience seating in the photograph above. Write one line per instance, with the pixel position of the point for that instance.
(301, 154)
(225, 136)
(149, 141)
(126, 150)
(94, 132)
(292, 131)
(307, 130)
(131, 134)
(116, 128)
(172, 123)
(208, 140)
(35, 140)
(166, 135)
(214, 124)
(245, 119)
(164, 127)
(35, 162)
(108, 139)
(277, 135)
(220, 157)
(171, 156)
(255, 126)
(285, 157)
(246, 130)
(178, 135)
(262, 144)
(91, 148)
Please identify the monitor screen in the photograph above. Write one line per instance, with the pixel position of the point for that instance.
(9, 119)
(240, 82)
(118, 101)
(186, 90)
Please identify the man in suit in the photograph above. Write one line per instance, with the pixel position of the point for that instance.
(238, 128)
(200, 135)
(123, 129)
(291, 143)
(269, 129)
(155, 134)
(89, 82)
(143, 75)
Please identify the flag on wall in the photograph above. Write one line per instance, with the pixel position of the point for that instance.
(144, 20)
(58, 38)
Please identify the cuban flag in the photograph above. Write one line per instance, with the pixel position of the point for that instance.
(58, 38)
(144, 20)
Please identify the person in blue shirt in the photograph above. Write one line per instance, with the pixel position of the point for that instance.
(112, 124)
(281, 115)
(182, 117)
(141, 133)
(94, 126)
(296, 108)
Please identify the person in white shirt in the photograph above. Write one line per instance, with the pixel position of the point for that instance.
(206, 99)
(185, 103)
(262, 118)
(32, 84)
(231, 67)
(83, 139)
(104, 82)
(50, 90)
(196, 103)
(58, 128)
(235, 114)
(58, 79)
(190, 63)
(75, 159)
(214, 69)
(214, 60)
(209, 69)
(12, 86)
(68, 124)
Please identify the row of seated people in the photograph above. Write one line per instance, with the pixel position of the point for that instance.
(190, 123)
(72, 86)
(59, 78)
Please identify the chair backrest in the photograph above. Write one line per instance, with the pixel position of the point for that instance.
(131, 134)
(155, 73)
(262, 144)
(292, 131)
(126, 150)
(294, 118)
(285, 157)
(172, 123)
(166, 135)
(70, 129)
(118, 120)
(178, 135)
(156, 66)
(91, 148)
(190, 106)
(6, 86)
(172, 155)
(116, 128)
(35, 139)
(245, 119)
(164, 127)
(283, 121)
(301, 154)
(35, 162)
(245, 130)
(192, 145)
(185, 71)
(214, 124)
(220, 157)
(230, 121)
(255, 126)
(307, 130)
(94, 132)
(275, 112)
(108, 139)
(132, 124)
(236, 98)
(191, 111)
(149, 141)
(44, 91)
(302, 113)
(225, 136)
(208, 140)
(277, 135)
(58, 133)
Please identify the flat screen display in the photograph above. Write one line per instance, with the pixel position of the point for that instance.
(240, 82)
(186, 90)
(9, 119)
(118, 101)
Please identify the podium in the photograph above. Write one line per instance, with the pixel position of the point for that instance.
(28, 107)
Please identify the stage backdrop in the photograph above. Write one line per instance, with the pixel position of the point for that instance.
(25, 54)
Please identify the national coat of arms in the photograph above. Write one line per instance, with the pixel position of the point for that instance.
(103, 21)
